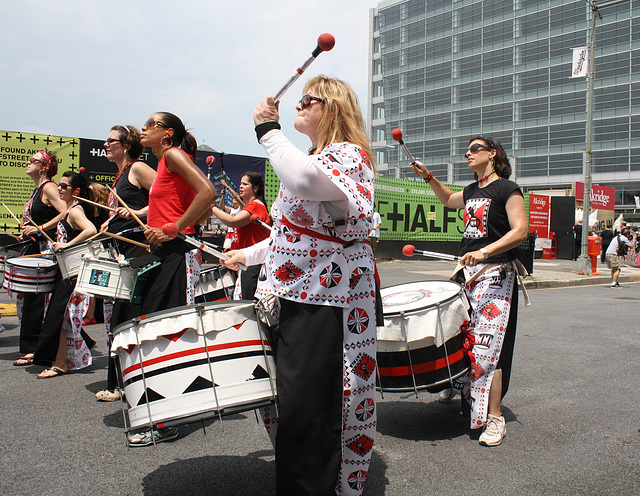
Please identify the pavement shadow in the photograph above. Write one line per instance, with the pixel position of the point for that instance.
(421, 421)
(248, 475)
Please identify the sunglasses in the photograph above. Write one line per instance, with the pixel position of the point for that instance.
(474, 148)
(306, 100)
(63, 186)
(151, 122)
(109, 141)
(34, 160)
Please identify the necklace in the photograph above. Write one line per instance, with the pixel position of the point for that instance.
(483, 179)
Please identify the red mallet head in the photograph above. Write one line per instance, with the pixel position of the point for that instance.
(81, 170)
(170, 229)
(326, 41)
(211, 160)
(397, 134)
(408, 250)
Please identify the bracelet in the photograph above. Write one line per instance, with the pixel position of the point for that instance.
(484, 252)
(428, 178)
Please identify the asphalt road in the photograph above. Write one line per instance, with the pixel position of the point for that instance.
(572, 421)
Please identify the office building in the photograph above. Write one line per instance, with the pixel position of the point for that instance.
(444, 71)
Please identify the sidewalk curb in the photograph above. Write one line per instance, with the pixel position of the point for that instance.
(585, 281)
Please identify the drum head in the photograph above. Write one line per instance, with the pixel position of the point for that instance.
(417, 295)
(31, 263)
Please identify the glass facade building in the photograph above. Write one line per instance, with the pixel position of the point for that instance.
(444, 71)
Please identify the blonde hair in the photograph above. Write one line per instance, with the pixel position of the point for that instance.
(342, 119)
(100, 193)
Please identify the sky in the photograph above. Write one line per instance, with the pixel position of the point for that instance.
(77, 67)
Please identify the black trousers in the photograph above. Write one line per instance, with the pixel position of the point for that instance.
(33, 305)
(309, 375)
(49, 340)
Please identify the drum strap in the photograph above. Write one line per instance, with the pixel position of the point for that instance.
(521, 272)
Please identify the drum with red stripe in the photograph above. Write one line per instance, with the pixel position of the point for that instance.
(194, 362)
(30, 274)
(420, 345)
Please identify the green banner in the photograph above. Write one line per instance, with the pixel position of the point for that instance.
(16, 149)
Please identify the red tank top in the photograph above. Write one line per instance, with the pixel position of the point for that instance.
(169, 197)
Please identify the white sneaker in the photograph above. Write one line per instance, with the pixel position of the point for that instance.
(153, 437)
(447, 395)
(494, 431)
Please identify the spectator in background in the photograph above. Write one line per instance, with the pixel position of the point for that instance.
(616, 250)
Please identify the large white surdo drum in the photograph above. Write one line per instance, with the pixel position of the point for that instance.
(420, 345)
(30, 274)
(194, 362)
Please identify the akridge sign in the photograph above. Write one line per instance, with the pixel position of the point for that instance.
(539, 213)
(602, 197)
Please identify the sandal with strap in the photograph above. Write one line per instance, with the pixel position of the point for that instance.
(23, 361)
(107, 395)
(52, 372)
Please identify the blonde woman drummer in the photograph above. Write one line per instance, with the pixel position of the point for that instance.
(319, 263)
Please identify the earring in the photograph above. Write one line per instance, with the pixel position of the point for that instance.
(170, 142)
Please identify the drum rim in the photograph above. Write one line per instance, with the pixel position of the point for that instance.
(154, 316)
(51, 262)
(431, 305)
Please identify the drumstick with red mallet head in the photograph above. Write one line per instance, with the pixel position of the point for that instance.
(257, 220)
(171, 229)
(397, 135)
(326, 42)
(409, 251)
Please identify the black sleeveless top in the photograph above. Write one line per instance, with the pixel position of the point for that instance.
(135, 198)
(65, 232)
(39, 211)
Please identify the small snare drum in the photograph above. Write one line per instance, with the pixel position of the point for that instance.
(108, 278)
(215, 284)
(70, 259)
(420, 345)
(30, 275)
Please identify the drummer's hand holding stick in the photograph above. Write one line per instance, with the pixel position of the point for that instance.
(40, 229)
(171, 230)
(131, 212)
(235, 261)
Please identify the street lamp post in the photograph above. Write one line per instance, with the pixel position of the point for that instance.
(584, 265)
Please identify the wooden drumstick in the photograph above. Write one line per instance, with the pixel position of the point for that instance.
(17, 220)
(142, 224)
(122, 238)
(11, 234)
(94, 203)
(40, 229)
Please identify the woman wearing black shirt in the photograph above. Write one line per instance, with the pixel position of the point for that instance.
(495, 224)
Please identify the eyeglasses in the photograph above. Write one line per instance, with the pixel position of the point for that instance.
(151, 122)
(306, 100)
(108, 141)
(474, 148)
(34, 160)
(63, 186)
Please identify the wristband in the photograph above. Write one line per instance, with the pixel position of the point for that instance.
(484, 252)
(265, 127)
(428, 178)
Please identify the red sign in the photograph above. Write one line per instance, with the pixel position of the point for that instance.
(539, 210)
(602, 197)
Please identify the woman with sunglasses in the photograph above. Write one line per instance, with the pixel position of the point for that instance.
(180, 194)
(62, 345)
(247, 231)
(132, 184)
(45, 209)
(495, 224)
(319, 264)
